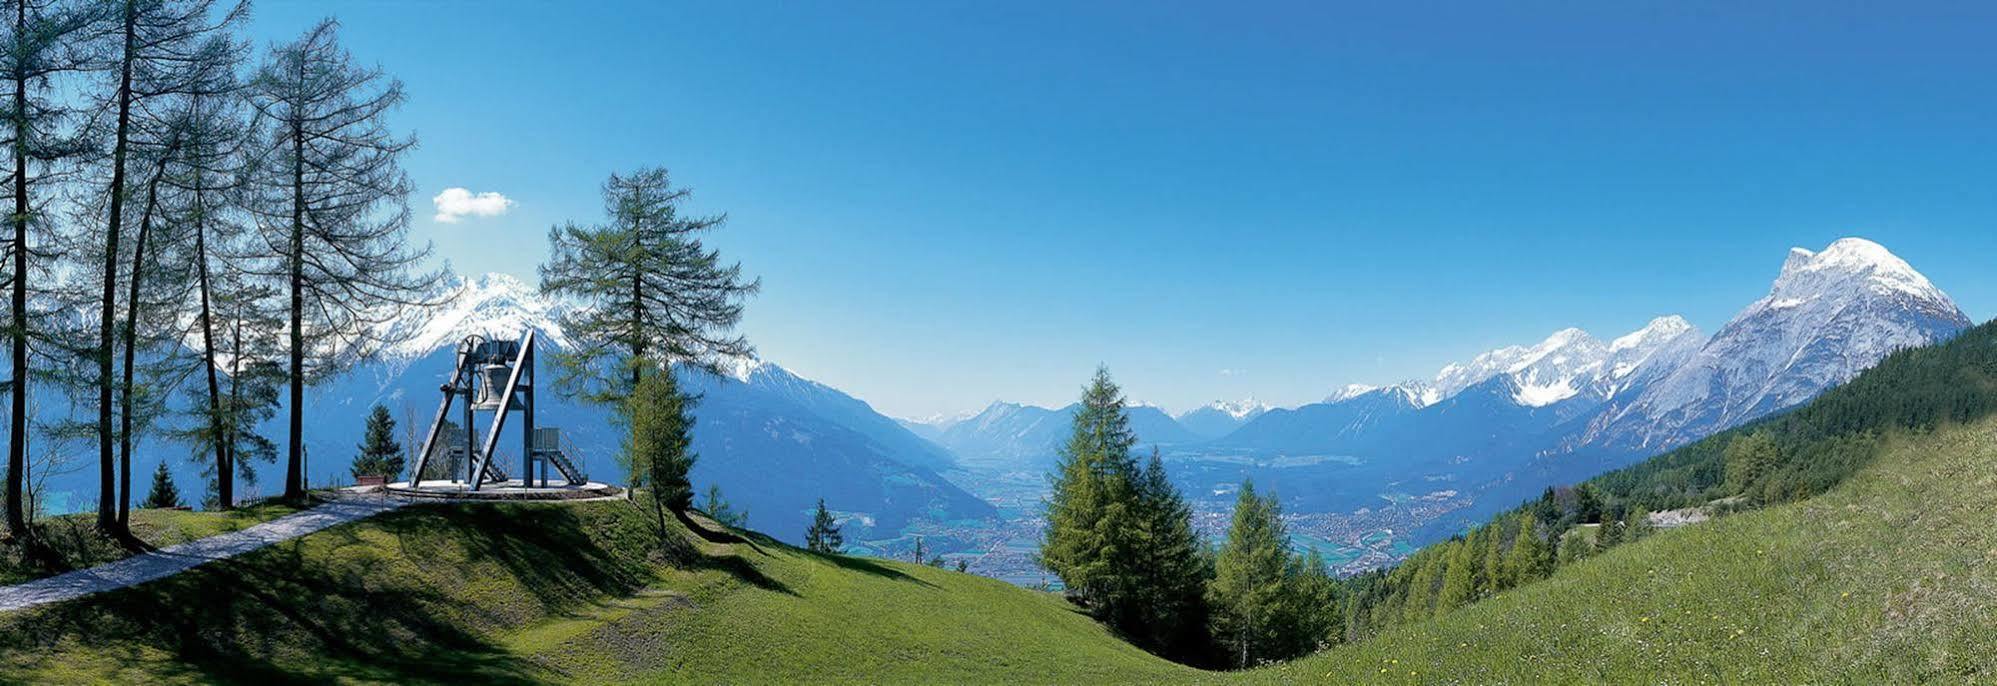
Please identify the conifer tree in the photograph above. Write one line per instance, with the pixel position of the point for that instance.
(1172, 575)
(1121, 537)
(379, 453)
(823, 535)
(647, 288)
(1638, 525)
(39, 45)
(1609, 534)
(214, 245)
(1523, 562)
(658, 451)
(722, 511)
(1459, 578)
(163, 494)
(1574, 545)
(1316, 607)
(1250, 594)
(327, 186)
(1092, 518)
(1749, 459)
(1491, 570)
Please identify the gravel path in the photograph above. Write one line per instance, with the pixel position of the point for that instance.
(172, 560)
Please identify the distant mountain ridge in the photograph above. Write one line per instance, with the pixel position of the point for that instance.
(1827, 316)
(1220, 417)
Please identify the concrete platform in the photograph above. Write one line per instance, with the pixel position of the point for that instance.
(507, 491)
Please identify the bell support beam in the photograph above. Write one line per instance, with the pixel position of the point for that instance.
(437, 425)
(505, 406)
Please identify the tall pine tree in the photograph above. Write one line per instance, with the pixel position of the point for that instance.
(327, 186)
(1249, 596)
(1092, 516)
(1171, 584)
(379, 453)
(658, 452)
(648, 289)
(39, 45)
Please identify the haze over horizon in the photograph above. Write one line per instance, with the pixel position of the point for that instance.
(1261, 200)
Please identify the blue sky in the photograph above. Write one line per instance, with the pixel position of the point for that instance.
(951, 203)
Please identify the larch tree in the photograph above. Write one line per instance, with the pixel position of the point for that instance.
(1092, 521)
(188, 59)
(657, 451)
(823, 536)
(38, 49)
(1459, 578)
(157, 50)
(205, 175)
(1173, 574)
(331, 200)
(650, 294)
(1249, 595)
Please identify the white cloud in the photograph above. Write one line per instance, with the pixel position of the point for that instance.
(457, 203)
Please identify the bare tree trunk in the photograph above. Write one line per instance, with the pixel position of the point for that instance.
(294, 477)
(107, 513)
(17, 433)
(225, 480)
(131, 341)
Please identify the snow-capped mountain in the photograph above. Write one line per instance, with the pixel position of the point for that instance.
(755, 420)
(1221, 417)
(487, 304)
(1571, 363)
(1569, 374)
(1828, 316)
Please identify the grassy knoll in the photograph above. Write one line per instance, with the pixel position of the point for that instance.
(561, 593)
(1889, 578)
(71, 541)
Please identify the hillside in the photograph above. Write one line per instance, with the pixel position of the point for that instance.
(1885, 579)
(549, 593)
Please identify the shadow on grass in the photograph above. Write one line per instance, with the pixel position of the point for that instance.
(268, 618)
(869, 566)
(391, 599)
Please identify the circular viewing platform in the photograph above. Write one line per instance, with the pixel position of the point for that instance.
(510, 490)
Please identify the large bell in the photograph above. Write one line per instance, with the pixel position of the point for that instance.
(492, 386)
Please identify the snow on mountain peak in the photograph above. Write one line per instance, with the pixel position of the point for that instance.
(1659, 329)
(1567, 363)
(1544, 364)
(741, 367)
(1807, 275)
(1827, 317)
(1238, 409)
(1349, 392)
(492, 305)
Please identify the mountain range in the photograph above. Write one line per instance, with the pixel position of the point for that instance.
(1511, 420)
(1492, 427)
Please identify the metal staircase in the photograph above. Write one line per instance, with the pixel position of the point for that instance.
(551, 445)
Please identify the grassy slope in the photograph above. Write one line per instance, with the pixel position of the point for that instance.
(443, 593)
(75, 544)
(1886, 579)
(1889, 578)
